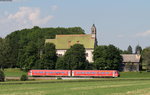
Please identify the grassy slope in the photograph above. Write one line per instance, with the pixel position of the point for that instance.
(80, 88)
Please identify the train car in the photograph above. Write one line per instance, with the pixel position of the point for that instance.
(49, 73)
(96, 73)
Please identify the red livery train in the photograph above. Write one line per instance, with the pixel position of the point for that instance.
(76, 73)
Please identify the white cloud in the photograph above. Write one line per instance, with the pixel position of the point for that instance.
(54, 7)
(25, 17)
(30, 15)
(143, 34)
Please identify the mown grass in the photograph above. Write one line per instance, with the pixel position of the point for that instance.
(130, 83)
(140, 87)
(142, 74)
(15, 72)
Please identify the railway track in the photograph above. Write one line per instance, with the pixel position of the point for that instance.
(45, 78)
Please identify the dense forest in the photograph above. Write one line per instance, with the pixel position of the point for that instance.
(28, 44)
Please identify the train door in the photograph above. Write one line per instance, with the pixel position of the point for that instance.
(72, 73)
(69, 73)
(113, 74)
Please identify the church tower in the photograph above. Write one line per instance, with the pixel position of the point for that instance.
(93, 32)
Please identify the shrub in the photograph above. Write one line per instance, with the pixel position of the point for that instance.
(2, 76)
(24, 78)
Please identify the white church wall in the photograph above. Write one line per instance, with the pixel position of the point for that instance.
(89, 55)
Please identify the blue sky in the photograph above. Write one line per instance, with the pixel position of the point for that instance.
(119, 22)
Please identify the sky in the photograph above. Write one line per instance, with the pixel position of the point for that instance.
(118, 22)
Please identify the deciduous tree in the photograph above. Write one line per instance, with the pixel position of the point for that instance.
(146, 58)
(75, 58)
(49, 56)
(107, 57)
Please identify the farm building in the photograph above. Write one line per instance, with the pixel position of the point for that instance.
(131, 62)
(64, 42)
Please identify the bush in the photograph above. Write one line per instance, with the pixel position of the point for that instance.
(2, 76)
(24, 78)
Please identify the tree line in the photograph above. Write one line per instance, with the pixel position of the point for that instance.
(25, 46)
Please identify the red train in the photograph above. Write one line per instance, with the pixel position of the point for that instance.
(89, 73)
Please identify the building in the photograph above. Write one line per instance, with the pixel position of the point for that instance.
(131, 62)
(64, 42)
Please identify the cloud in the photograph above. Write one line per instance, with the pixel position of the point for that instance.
(143, 34)
(25, 17)
(54, 7)
(29, 15)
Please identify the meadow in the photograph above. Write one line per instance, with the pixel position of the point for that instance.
(15, 72)
(130, 83)
(123, 87)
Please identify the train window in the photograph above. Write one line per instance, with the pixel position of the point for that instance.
(51, 72)
(102, 72)
(88, 72)
(107, 72)
(82, 72)
(93, 72)
(63, 72)
(41, 72)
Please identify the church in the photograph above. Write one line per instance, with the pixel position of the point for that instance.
(64, 42)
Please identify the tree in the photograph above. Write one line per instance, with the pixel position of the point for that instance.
(20, 39)
(138, 49)
(129, 49)
(49, 56)
(107, 57)
(60, 64)
(5, 54)
(146, 58)
(75, 58)
(28, 57)
(2, 76)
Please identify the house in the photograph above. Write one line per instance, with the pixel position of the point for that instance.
(131, 62)
(64, 42)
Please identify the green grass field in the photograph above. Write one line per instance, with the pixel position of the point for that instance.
(142, 74)
(141, 87)
(129, 83)
(13, 72)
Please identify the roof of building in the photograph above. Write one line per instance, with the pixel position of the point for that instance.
(131, 57)
(65, 41)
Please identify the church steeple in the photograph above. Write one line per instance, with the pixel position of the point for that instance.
(93, 32)
(93, 29)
